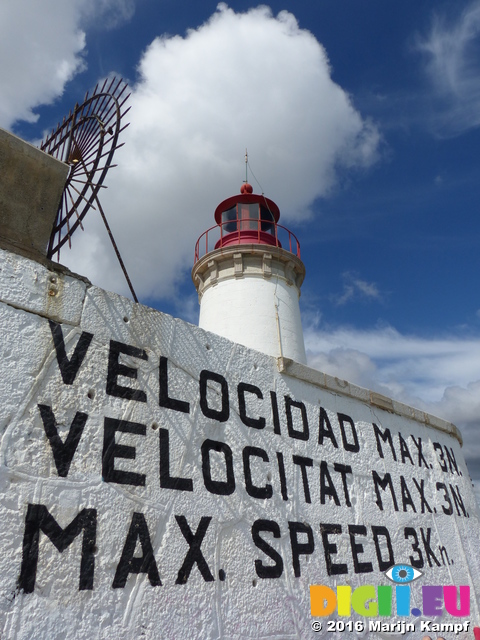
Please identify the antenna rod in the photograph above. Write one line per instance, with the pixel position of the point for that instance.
(246, 165)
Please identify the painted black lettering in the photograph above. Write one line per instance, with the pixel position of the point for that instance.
(194, 553)
(348, 446)
(404, 451)
(440, 457)
(292, 432)
(300, 548)
(325, 429)
(444, 555)
(269, 570)
(256, 492)
(386, 437)
(129, 563)
(116, 369)
(406, 495)
(112, 450)
(447, 510)
(210, 412)
(343, 469)
(330, 549)
(452, 463)
(69, 368)
(39, 519)
(283, 478)
(382, 532)
(303, 463)
(63, 452)
(327, 488)
(255, 423)
(421, 491)
(409, 532)
(166, 480)
(457, 500)
(357, 548)
(275, 416)
(426, 545)
(164, 399)
(421, 457)
(218, 487)
(383, 484)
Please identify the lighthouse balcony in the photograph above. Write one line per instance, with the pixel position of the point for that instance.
(253, 231)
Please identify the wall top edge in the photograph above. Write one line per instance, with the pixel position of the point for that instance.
(343, 387)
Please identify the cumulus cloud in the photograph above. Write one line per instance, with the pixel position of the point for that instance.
(42, 46)
(438, 375)
(240, 80)
(451, 61)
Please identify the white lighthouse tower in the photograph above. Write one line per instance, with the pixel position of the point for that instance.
(248, 275)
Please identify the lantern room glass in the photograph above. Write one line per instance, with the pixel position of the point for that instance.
(246, 216)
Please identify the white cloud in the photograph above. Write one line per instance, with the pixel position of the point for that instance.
(428, 365)
(354, 287)
(438, 375)
(106, 14)
(42, 47)
(452, 64)
(240, 80)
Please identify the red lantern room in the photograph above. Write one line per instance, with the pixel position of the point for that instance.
(247, 218)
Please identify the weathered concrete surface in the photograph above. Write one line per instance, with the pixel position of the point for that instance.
(180, 436)
(31, 185)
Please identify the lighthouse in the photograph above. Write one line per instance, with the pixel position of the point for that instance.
(248, 274)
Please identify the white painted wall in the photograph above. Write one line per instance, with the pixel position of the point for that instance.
(243, 604)
(258, 313)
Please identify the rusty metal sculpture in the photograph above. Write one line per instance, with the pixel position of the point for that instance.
(86, 140)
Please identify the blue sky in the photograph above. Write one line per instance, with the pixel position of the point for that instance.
(362, 121)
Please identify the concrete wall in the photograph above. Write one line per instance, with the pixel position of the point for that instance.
(31, 186)
(158, 481)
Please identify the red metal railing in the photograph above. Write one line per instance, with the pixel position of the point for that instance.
(216, 237)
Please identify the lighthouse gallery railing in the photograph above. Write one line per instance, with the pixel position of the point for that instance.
(248, 231)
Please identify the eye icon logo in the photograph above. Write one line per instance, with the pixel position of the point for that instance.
(402, 574)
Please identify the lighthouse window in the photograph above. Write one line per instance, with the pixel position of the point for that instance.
(229, 220)
(248, 214)
(267, 220)
(245, 216)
